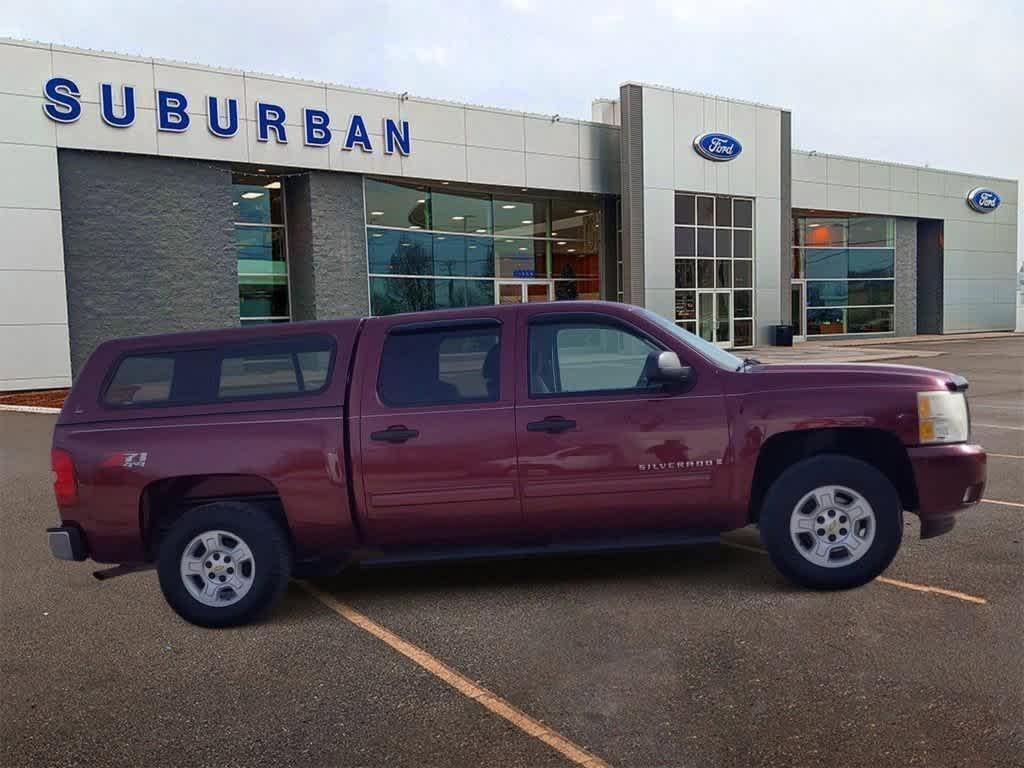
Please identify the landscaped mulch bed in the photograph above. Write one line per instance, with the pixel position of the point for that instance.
(46, 398)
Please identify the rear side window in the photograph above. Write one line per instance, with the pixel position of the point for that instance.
(440, 366)
(142, 380)
(293, 366)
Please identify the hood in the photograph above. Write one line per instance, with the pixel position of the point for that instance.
(861, 375)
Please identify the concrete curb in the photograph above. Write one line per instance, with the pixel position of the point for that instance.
(28, 409)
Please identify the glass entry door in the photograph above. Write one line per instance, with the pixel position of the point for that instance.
(714, 316)
(523, 292)
(798, 300)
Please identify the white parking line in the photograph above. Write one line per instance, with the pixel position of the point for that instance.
(996, 426)
(1003, 503)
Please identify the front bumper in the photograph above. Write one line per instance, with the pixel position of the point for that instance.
(949, 478)
(67, 542)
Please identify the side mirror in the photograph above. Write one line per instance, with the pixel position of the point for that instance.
(667, 368)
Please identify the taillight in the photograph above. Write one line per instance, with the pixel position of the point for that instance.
(65, 482)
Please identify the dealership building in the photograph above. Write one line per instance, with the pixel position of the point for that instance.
(146, 196)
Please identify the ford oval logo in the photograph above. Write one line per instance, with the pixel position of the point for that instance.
(717, 146)
(983, 200)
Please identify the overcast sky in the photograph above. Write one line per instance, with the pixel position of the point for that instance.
(936, 82)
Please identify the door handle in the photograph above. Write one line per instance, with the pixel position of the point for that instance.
(395, 434)
(553, 424)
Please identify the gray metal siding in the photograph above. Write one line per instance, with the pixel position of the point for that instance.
(632, 168)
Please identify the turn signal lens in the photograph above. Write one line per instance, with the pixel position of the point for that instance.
(942, 417)
(65, 481)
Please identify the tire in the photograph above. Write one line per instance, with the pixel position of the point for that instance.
(836, 505)
(200, 579)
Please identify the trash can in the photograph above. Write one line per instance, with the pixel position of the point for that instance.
(782, 335)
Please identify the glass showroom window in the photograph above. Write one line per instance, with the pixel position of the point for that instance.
(258, 204)
(431, 247)
(847, 263)
(714, 260)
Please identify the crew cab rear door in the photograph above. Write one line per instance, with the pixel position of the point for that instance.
(601, 450)
(435, 432)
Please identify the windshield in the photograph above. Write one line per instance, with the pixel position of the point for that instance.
(712, 351)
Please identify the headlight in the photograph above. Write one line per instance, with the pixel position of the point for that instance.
(942, 417)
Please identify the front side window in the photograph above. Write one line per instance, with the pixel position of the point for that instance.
(440, 367)
(258, 206)
(587, 357)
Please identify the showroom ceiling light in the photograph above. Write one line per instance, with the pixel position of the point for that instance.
(272, 185)
(422, 200)
(508, 206)
(376, 213)
(458, 218)
(581, 210)
(251, 195)
(481, 230)
(561, 242)
(572, 250)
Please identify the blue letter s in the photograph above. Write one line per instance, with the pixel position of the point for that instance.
(62, 100)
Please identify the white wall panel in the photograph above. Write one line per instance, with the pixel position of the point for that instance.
(24, 121)
(495, 166)
(809, 194)
(35, 169)
(436, 160)
(24, 67)
(551, 171)
(599, 141)
(549, 137)
(198, 142)
(768, 153)
(32, 297)
(875, 175)
(30, 239)
(429, 121)
(931, 182)
(34, 356)
(357, 161)
(752, 170)
(690, 168)
(599, 176)
(875, 201)
(495, 130)
(659, 139)
(904, 179)
(342, 104)
(659, 239)
(843, 198)
(810, 168)
(843, 172)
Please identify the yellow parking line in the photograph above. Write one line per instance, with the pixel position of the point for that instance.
(885, 580)
(492, 702)
(1004, 503)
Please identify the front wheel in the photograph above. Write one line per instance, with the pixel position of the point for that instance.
(831, 522)
(223, 564)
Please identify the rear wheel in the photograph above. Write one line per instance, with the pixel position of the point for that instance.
(831, 522)
(223, 564)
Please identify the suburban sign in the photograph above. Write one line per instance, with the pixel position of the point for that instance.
(63, 105)
(983, 200)
(717, 146)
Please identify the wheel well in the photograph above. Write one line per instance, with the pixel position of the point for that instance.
(164, 501)
(876, 447)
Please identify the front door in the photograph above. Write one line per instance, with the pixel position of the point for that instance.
(798, 300)
(523, 291)
(601, 449)
(714, 316)
(435, 459)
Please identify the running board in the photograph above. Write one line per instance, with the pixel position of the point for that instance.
(672, 540)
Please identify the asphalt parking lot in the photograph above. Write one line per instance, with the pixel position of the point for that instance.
(697, 657)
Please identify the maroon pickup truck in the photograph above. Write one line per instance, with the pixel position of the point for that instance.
(234, 459)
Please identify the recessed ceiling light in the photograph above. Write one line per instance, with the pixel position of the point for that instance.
(414, 226)
(272, 185)
(572, 250)
(252, 195)
(440, 237)
(472, 247)
(522, 249)
(444, 183)
(524, 189)
(508, 206)
(234, 202)
(421, 200)
(554, 234)
(458, 218)
(481, 230)
(527, 221)
(377, 234)
(561, 242)
(261, 170)
(376, 213)
(581, 210)
(510, 241)
(406, 245)
(812, 226)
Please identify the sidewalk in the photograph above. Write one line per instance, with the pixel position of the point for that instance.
(866, 350)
